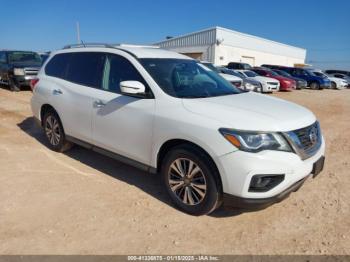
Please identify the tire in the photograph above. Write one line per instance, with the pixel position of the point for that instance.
(197, 193)
(315, 86)
(333, 85)
(54, 132)
(13, 86)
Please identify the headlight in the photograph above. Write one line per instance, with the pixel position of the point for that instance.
(256, 141)
(249, 86)
(18, 71)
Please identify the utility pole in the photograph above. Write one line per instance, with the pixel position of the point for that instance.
(78, 33)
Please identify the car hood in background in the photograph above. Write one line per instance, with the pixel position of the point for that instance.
(252, 111)
(230, 78)
(26, 64)
(265, 79)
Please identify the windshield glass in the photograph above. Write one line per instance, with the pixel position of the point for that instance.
(186, 78)
(24, 57)
(282, 73)
(211, 66)
(319, 74)
(250, 73)
(229, 72)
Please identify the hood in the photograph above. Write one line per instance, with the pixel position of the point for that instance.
(264, 79)
(230, 78)
(282, 78)
(252, 111)
(26, 64)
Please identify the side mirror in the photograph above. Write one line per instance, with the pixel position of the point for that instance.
(132, 88)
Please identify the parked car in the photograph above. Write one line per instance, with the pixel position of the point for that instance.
(268, 84)
(300, 83)
(286, 84)
(17, 68)
(313, 81)
(44, 56)
(166, 113)
(336, 83)
(238, 66)
(341, 76)
(234, 80)
(248, 83)
(335, 71)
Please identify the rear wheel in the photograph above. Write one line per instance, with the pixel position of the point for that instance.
(191, 180)
(334, 85)
(54, 132)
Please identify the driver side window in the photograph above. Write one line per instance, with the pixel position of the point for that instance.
(118, 69)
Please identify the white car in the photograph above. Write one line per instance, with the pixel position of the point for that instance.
(166, 113)
(268, 84)
(234, 80)
(336, 83)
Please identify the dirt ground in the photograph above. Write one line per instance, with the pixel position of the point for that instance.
(81, 202)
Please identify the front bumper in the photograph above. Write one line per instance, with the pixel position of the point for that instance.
(238, 168)
(259, 203)
(23, 80)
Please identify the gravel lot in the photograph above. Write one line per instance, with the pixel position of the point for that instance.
(83, 203)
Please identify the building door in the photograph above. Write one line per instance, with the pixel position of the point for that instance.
(248, 59)
(198, 56)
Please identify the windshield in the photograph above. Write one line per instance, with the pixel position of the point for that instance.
(320, 74)
(229, 72)
(212, 67)
(184, 78)
(24, 57)
(251, 73)
(282, 73)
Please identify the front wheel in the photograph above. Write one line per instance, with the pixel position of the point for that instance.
(333, 85)
(191, 180)
(13, 86)
(315, 86)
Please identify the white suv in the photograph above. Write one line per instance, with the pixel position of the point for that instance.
(166, 113)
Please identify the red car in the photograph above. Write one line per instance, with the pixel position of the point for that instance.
(286, 84)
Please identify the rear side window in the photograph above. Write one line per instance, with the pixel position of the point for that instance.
(86, 68)
(57, 66)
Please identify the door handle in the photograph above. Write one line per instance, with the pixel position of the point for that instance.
(57, 92)
(99, 104)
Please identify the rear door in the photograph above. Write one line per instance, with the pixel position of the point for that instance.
(78, 75)
(123, 124)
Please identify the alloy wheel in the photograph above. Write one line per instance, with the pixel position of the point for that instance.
(187, 181)
(52, 130)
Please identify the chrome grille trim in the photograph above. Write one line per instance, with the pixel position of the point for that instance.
(31, 71)
(301, 142)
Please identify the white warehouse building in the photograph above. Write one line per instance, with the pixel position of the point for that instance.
(221, 46)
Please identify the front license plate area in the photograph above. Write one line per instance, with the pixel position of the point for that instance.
(318, 166)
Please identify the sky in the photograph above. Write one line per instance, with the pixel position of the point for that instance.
(322, 27)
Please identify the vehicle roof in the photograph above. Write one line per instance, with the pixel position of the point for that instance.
(134, 50)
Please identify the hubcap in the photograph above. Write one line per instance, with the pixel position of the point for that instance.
(52, 130)
(187, 181)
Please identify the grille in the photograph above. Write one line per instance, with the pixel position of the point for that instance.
(31, 71)
(306, 141)
(272, 83)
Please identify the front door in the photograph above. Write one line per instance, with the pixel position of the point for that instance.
(122, 124)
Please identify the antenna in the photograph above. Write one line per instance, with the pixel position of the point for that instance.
(78, 33)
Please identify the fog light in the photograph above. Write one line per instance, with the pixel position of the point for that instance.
(263, 183)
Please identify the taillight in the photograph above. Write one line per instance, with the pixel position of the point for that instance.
(33, 82)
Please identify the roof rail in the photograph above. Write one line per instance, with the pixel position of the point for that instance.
(89, 45)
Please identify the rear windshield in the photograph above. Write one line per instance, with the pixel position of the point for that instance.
(24, 57)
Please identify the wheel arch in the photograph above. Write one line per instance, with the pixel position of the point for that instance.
(45, 108)
(171, 143)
